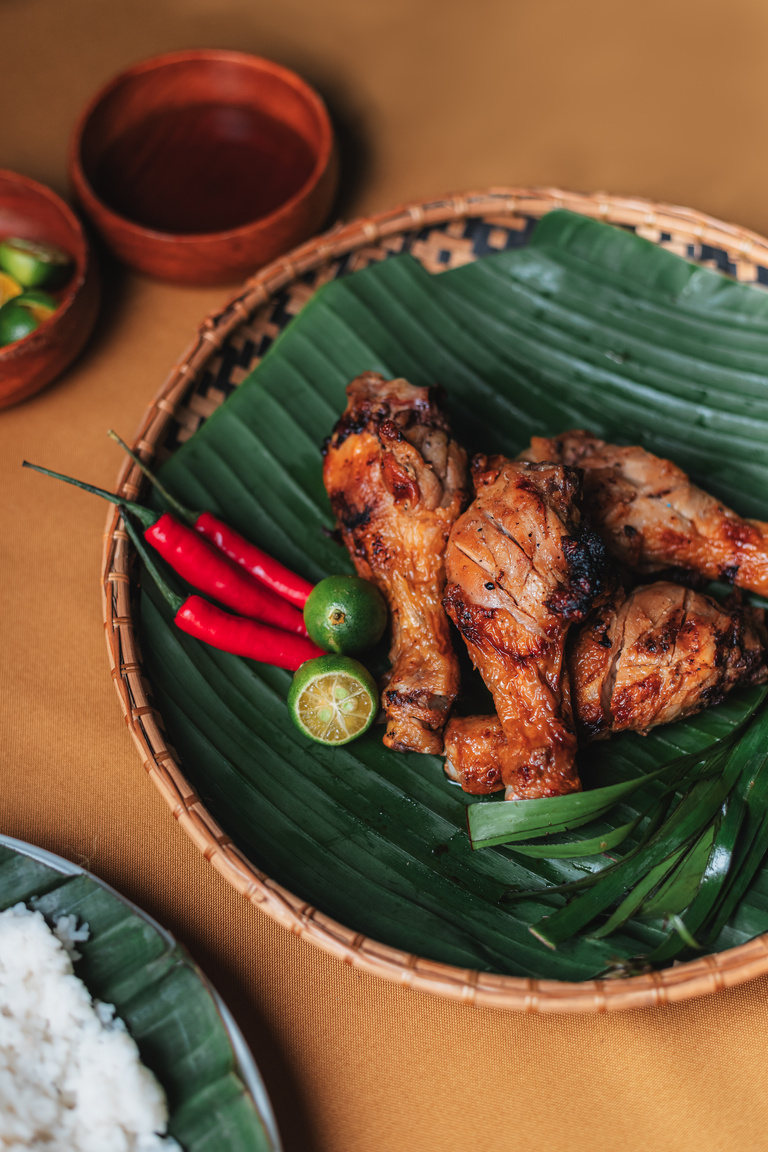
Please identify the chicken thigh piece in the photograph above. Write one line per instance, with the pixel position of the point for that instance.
(397, 482)
(652, 517)
(657, 654)
(520, 570)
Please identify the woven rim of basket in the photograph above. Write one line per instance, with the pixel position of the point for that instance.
(681, 982)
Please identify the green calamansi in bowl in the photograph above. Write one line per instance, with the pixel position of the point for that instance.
(16, 322)
(39, 304)
(23, 314)
(34, 263)
(26, 268)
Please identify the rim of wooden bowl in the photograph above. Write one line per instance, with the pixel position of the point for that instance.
(681, 982)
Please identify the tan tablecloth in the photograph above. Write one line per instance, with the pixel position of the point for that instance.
(666, 99)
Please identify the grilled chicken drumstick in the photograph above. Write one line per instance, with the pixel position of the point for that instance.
(520, 570)
(397, 481)
(652, 517)
(649, 657)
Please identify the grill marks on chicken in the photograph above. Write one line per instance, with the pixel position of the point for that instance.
(651, 656)
(397, 482)
(652, 517)
(520, 570)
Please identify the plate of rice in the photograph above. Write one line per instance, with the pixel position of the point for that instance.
(111, 1038)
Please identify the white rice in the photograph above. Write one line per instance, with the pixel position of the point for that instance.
(70, 1075)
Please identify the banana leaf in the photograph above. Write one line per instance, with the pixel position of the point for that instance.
(588, 326)
(184, 1033)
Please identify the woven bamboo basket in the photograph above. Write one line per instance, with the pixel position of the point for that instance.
(441, 233)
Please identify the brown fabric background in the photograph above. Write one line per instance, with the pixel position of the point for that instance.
(666, 99)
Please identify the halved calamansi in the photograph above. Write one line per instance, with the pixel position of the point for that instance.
(333, 699)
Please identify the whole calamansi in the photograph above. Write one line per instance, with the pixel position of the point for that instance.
(345, 614)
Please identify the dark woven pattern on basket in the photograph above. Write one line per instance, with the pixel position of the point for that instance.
(438, 247)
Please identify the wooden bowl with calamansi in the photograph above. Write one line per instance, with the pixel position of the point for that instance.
(48, 287)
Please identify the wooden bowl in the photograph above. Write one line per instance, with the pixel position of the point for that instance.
(440, 234)
(34, 212)
(200, 166)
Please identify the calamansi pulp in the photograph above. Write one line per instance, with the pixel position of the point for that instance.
(333, 699)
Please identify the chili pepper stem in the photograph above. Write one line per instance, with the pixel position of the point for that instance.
(173, 599)
(142, 514)
(183, 513)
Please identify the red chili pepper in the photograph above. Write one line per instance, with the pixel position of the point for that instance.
(260, 565)
(264, 567)
(285, 646)
(243, 637)
(220, 629)
(211, 572)
(201, 564)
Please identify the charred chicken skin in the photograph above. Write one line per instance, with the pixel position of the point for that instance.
(397, 481)
(520, 570)
(653, 518)
(657, 654)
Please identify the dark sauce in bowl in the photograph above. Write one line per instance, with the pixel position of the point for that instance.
(202, 168)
